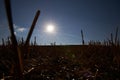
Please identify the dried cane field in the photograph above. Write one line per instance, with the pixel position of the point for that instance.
(20, 60)
(64, 62)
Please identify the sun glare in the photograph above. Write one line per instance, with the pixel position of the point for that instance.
(50, 28)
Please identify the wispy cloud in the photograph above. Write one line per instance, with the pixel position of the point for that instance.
(19, 29)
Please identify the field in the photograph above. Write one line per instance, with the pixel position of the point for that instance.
(64, 62)
(20, 60)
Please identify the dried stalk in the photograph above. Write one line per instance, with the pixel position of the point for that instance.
(82, 37)
(18, 59)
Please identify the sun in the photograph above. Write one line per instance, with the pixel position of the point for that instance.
(50, 28)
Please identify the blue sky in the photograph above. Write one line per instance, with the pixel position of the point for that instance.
(97, 19)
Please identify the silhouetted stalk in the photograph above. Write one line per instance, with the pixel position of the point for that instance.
(22, 41)
(35, 40)
(112, 39)
(116, 36)
(82, 37)
(32, 28)
(3, 42)
(8, 41)
(18, 60)
(30, 32)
